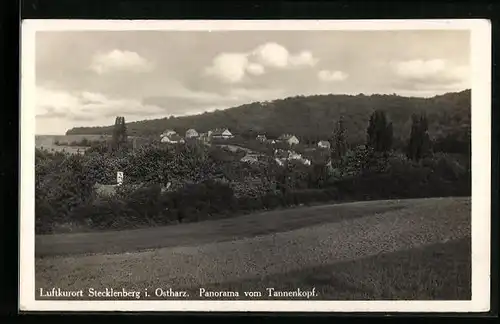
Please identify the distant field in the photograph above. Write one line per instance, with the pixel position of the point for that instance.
(48, 141)
(414, 249)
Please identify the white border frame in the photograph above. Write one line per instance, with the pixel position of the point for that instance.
(480, 46)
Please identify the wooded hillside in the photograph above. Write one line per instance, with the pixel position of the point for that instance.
(313, 117)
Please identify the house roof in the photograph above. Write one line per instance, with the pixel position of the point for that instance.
(174, 137)
(219, 131)
(249, 157)
(286, 137)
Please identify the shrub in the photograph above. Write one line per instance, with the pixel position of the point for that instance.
(272, 200)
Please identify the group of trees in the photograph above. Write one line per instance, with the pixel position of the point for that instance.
(380, 137)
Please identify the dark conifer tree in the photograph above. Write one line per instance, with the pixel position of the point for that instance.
(419, 142)
(338, 144)
(379, 132)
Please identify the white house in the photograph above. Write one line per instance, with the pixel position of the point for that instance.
(191, 133)
(324, 144)
(172, 139)
(281, 156)
(168, 132)
(261, 138)
(294, 155)
(289, 138)
(221, 134)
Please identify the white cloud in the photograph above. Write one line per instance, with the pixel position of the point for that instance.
(255, 69)
(277, 56)
(419, 69)
(56, 108)
(92, 97)
(233, 67)
(430, 69)
(48, 100)
(117, 60)
(430, 76)
(331, 76)
(304, 58)
(229, 67)
(272, 54)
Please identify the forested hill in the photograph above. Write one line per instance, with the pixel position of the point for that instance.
(312, 117)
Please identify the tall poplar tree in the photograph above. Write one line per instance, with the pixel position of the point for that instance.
(419, 141)
(338, 144)
(379, 132)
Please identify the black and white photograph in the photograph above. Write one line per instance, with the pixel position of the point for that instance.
(255, 165)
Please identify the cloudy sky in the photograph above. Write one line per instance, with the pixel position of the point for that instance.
(87, 78)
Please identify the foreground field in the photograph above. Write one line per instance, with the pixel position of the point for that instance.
(386, 249)
(440, 271)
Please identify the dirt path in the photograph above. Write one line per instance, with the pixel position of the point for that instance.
(426, 222)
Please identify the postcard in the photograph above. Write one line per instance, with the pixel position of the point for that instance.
(259, 165)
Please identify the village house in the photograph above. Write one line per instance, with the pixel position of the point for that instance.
(261, 138)
(289, 139)
(298, 157)
(286, 155)
(168, 132)
(324, 144)
(220, 134)
(203, 137)
(172, 139)
(191, 133)
(294, 155)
